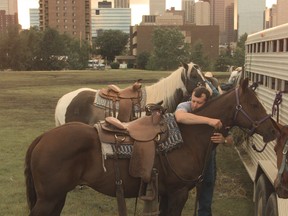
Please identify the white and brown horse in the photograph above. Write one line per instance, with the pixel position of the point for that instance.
(80, 105)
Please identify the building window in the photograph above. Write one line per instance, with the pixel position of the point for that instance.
(97, 12)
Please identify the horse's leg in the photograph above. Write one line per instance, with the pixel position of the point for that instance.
(176, 202)
(163, 206)
(48, 207)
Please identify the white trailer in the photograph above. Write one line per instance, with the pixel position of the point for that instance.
(266, 62)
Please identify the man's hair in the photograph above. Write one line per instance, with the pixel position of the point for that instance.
(198, 91)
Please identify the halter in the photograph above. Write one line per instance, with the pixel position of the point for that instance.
(284, 166)
(239, 108)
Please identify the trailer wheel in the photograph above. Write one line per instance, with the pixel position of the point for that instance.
(263, 191)
(272, 208)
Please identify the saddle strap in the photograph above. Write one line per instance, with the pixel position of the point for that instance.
(119, 185)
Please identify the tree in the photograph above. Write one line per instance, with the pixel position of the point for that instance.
(111, 43)
(198, 57)
(239, 55)
(169, 48)
(142, 60)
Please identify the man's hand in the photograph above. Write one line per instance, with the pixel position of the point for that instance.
(216, 123)
(217, 138)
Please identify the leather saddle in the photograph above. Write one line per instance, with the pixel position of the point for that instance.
(144, 133)
(128, 98)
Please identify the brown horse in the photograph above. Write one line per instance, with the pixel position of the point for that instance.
(281, 149)
(70, 155)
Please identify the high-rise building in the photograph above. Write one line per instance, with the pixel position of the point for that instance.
(249, 19)
(8, 14)
(34, 17)
(187, 6)
(202, 13)
(282, 9)
(69, 17)
(10, 6)
(110, 19)
(157, 7)
(121, 4)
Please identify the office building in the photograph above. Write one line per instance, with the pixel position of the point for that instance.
(121, 4)
(10, 6)
(34, 17)
(202, 13)
(110, 19)
(187, 6)
(157, 7)
(68, 17)
(282, 12)
(104, 4)
(141, 38)
(249, 19)
(8, 14)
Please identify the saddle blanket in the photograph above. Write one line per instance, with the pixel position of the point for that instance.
(104, 103)
(173, 141)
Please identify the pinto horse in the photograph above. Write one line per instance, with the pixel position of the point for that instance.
(80, 105)
(70, 155)
(281, 150)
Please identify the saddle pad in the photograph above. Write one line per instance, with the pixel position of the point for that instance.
(173, 141)
(104, 103)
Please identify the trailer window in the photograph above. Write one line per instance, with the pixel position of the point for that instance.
(263, 48)
(281, 45)
(261, 79)
(286, 45)
(285, 86)
(274, 45)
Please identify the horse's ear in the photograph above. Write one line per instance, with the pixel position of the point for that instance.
(244, 83)
(185, 66)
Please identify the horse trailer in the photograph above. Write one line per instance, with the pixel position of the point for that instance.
(266, 63)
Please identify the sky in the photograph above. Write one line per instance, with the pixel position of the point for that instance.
(139, 8)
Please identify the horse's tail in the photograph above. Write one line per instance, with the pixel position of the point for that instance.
(30, 188)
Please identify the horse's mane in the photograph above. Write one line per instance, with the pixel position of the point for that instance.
(212, 100)
(165, 89)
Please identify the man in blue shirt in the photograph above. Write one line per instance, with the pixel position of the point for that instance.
(184, 114)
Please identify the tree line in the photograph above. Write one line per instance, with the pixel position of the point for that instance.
(49, 50)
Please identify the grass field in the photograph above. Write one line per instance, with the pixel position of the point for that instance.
(27, 103)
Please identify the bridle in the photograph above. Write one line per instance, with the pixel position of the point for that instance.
(283, 167)
(255, 123)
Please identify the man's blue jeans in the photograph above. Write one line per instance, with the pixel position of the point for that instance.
(207, 188)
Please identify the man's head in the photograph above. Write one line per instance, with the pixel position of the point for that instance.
(199, 97)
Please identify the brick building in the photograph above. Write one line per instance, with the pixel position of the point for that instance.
(141, 38)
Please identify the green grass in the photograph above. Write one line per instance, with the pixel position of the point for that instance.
(27, 103)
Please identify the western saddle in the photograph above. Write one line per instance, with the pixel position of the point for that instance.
(144, 133)
(128, 99)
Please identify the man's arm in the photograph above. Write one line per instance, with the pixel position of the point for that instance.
(218, 138)
(189, 118)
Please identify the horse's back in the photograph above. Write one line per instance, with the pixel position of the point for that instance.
(64, 102)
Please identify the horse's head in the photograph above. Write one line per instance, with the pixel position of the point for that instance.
(281, 149)
(250, 113)
(192, 77)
